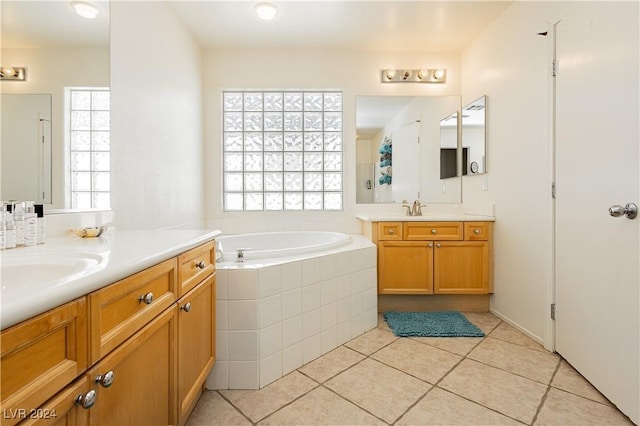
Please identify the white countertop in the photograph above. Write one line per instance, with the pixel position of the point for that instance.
(429, 217)
(124, 253)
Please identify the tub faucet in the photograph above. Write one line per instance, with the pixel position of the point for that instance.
(240, 254)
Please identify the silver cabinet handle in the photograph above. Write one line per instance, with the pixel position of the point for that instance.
(146, 298)
(391, 231)
(87, 400)
(430, 245)
(433, 231)
(630, 210)
(438, 245)
(186, 307)
(201, 265)
(476, 231)
(106, 379)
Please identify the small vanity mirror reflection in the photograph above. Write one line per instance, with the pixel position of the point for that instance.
(474, 144)
(449, 146)
(60, 51)
(398, 149)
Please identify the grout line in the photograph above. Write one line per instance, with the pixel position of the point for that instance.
(544, 397)
(234, 407)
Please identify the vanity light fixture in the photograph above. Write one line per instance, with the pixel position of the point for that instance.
(424, 75)
(13, 73)
(85, 9)
(266, 11)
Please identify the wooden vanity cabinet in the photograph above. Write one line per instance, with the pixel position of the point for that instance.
(434, 257)
(140, 346)
(196, 344)
(40, 356)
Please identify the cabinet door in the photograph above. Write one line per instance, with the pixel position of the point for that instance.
(405, 267)
(196, 343)
(461, 267)
(62, 410)
(144, 377)
(40, 356)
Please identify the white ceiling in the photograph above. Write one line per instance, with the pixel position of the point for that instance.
(351, 24)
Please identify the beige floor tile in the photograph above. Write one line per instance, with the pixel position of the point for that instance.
(568, 379)
(371, 341)
(331, 364)
(512, 395)
(213, 410)
(563, 408)
(457, 345)
(532, 364)
(510, 334)
(485, 322)
(321, 407)
(383, 391)
(382, 323)
(422, 361)
(440, 407)
(257, 404)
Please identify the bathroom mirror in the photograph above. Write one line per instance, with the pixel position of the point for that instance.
(474, 141)
(398, 141)
(59, 50)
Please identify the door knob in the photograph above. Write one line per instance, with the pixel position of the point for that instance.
(630, 210)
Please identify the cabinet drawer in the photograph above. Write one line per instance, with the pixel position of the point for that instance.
(120, 309)
(40, 356)
(390, 231)
(442, 231)
(477, 231)
(62, 410)
(194, 265)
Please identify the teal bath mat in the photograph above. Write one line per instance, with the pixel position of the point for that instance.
(431, 324)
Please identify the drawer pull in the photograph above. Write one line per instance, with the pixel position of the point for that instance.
(433, 231)
(391, 231)
(105, 380)
(146, 298)
(476, 231)
(430, 245)
(438, 245)
(186, 307)
(87, 400)
(201, 265)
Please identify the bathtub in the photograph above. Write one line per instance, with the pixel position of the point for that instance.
(297, 296)
(278, 244)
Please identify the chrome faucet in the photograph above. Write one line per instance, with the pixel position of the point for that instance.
(240, 254)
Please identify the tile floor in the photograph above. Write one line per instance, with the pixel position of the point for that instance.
(504, 378)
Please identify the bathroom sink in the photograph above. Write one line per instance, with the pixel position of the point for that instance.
(31, 270)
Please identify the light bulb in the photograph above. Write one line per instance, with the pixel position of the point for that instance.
(8, 71)
(85, 9)
(266, 11)
(390, 74)
(438, 74)
(406, 74)
(422, 74)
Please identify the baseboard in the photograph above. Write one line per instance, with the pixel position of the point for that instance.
(433, 302)
(517, 326)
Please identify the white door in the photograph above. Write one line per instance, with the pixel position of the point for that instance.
(597, 156)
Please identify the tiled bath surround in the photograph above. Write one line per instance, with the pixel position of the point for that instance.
(272, 319)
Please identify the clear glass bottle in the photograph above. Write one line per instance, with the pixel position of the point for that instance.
(30, 224)
(18, 219)
(3, 232)
(41, 224)
(10, 230)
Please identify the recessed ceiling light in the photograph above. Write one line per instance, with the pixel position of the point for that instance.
(266, 11)
(85, 9)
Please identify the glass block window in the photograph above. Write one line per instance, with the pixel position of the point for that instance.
(89, 125)
(282, 150)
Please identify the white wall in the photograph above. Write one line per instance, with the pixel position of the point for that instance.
(510, 63)
(49, 71)
(156, 104)
(355, 72)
